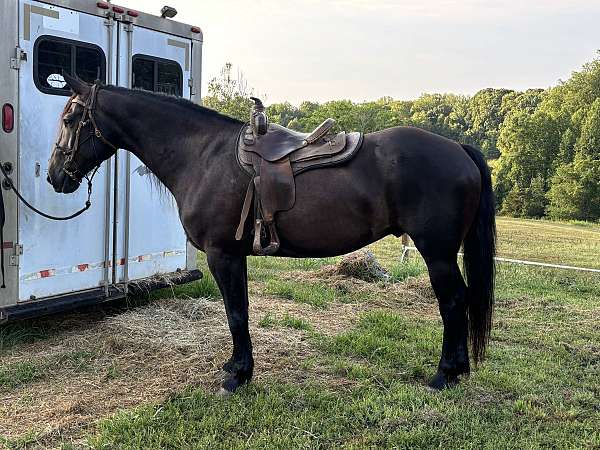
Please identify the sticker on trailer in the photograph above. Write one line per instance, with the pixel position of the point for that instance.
(67, 22)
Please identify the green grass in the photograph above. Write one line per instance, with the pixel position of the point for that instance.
(16, 374)
(286, 321)
(365, 387)
(21, 333)
(553, 242)
(318, 295)
(413, 267)
(538, 387)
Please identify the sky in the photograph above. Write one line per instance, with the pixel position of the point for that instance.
(363, 50)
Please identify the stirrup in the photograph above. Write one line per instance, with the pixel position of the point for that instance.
(273, 245)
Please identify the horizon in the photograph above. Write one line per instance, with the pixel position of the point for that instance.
(299, 51)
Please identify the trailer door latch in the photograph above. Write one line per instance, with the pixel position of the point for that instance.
(20, 55)
(13, 260)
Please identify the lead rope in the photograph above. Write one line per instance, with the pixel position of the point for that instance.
(11, 185)
(2, 220)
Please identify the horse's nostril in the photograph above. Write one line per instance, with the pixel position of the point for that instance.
(48, 179)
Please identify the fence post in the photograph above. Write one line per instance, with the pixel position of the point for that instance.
(405, 249)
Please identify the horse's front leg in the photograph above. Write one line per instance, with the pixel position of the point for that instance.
(231, 275)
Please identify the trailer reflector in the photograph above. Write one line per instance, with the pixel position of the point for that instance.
(8, 118)
(195, 30)
(133, 13)
(118, 9)
(102, 5)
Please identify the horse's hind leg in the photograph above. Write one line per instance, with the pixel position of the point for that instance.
(450, 291)
(230, 272)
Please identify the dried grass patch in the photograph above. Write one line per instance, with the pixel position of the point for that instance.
(148, 353)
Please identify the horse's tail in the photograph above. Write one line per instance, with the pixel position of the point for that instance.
(479, 251)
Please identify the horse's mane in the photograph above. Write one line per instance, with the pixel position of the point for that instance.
(172, 99)
(155, 184)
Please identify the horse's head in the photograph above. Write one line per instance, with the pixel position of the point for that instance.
(80, 146)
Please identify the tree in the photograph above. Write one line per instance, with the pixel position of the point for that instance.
(575, 191)
(528, 145)
(229, 95)
(588, 143)
(485, 115)
(282, 113)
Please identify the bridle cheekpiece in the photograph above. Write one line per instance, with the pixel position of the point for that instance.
(70, 167)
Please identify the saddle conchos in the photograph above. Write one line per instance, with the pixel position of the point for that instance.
(273, 156)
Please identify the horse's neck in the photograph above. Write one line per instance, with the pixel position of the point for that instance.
(168, 138)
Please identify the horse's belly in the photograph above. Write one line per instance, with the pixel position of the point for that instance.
(335, 212)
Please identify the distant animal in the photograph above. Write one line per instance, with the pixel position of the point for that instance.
(399, 180)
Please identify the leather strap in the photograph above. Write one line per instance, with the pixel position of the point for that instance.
(2, 221)
(245, 210)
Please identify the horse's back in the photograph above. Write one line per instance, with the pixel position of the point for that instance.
(400, 179)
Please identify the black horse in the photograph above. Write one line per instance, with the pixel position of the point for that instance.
(403, 180)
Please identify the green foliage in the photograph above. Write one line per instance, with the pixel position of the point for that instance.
(229, 95)
(575, 191)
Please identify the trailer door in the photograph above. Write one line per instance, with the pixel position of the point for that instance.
(58, 257)
(150, 240)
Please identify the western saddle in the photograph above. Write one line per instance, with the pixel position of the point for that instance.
(273, 155)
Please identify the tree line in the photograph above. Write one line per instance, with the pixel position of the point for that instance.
(543, 145)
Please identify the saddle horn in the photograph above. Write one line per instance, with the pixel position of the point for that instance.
(258, 117)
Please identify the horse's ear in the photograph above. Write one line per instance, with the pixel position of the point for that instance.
(77, 86)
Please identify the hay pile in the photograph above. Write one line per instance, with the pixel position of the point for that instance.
(361, 265)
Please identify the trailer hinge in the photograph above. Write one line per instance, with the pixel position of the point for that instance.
(109, 21)
(191, 83)
(13, 260)
(20, 55)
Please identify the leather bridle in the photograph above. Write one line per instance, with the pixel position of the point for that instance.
(87, 119)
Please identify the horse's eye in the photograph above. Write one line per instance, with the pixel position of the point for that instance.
(67, 121)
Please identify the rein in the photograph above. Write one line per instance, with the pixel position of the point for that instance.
(69, 167)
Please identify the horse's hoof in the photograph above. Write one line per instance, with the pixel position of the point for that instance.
(224, 393)
(231, 383)
(441, 381)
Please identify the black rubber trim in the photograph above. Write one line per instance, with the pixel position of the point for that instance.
(53, 305)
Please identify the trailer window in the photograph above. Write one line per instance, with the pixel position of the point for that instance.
(55, 56)
(158, 75)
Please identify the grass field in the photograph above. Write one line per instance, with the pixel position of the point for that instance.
(341, 363)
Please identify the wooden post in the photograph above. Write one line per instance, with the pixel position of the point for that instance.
(405, 245)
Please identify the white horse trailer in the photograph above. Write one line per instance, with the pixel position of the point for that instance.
(121, 242)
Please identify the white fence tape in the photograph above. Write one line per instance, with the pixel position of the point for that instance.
(516, 261)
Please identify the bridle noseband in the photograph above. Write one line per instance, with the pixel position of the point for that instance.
(70, 167)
